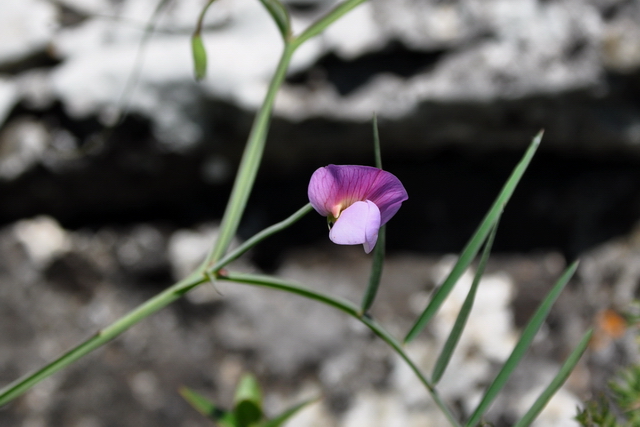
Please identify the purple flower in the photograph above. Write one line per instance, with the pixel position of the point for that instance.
(357, 201)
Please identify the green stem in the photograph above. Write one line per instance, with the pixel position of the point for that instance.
(269, 231)
(151, 306)
(352, 310)
(250, 163)
(376, 271)
(103, 336)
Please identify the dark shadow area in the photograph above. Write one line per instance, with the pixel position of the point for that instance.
(348, 75)
(573, 197)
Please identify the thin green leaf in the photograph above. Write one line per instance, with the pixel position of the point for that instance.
(199, 57)
(379, 251)
(376, 142)
(280, 15)
(465, 310)
(473, 246)
(248, 402)
(328, 19)
(557, 382)
(521, 347)
(267, 232)
(280, 419)
(251, 158)
(376, 271)
(207, 408)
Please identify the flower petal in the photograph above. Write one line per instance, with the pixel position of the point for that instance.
(336, 187)
(388, 193)
(357, 224)
(322, 191)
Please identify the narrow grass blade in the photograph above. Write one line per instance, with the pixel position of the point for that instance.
(267, 232)
(557, 382)
(463, 316)
(376, 271)
(473, 246)
(326, 20)
(379, 252)
(207, 408)
(284, 416)
(521, 347)
(376, 143)
(248, 170)
(280, 16)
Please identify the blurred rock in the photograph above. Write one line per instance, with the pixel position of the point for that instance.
(26, 28)
(442, 76)
(22, 145)
(295, 346)
(407, 61)
(43, 239)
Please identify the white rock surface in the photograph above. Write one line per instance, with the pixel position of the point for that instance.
(26, 26)
(43, 238)
(24, 143)
(482, 51)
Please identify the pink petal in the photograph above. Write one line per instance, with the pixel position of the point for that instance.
(358, 224)
(322, 191)
(337, 187)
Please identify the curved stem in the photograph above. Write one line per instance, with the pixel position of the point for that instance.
(352, 310)
(21, 385)
(103, 336)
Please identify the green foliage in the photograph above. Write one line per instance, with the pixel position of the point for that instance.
(597, 413)
(626, 390)
(201, 404)
(557, 381)
(463, 315)
(248, 402)
(280, 16)
(475, 243)
(247, 407)
(622, 410)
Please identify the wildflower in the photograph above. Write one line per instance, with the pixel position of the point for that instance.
(357, 201)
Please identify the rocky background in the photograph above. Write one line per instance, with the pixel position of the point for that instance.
(115, 166)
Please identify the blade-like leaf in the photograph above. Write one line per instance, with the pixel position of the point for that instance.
(207, 408)
(323, 22)
(473, 246)
(461, 320)
(248, 402)
(521, 347)
(379, 251)
(376, 271)
(279, 420)
(280, 15)
(376, 143)
(199, 57)
(557, 382)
